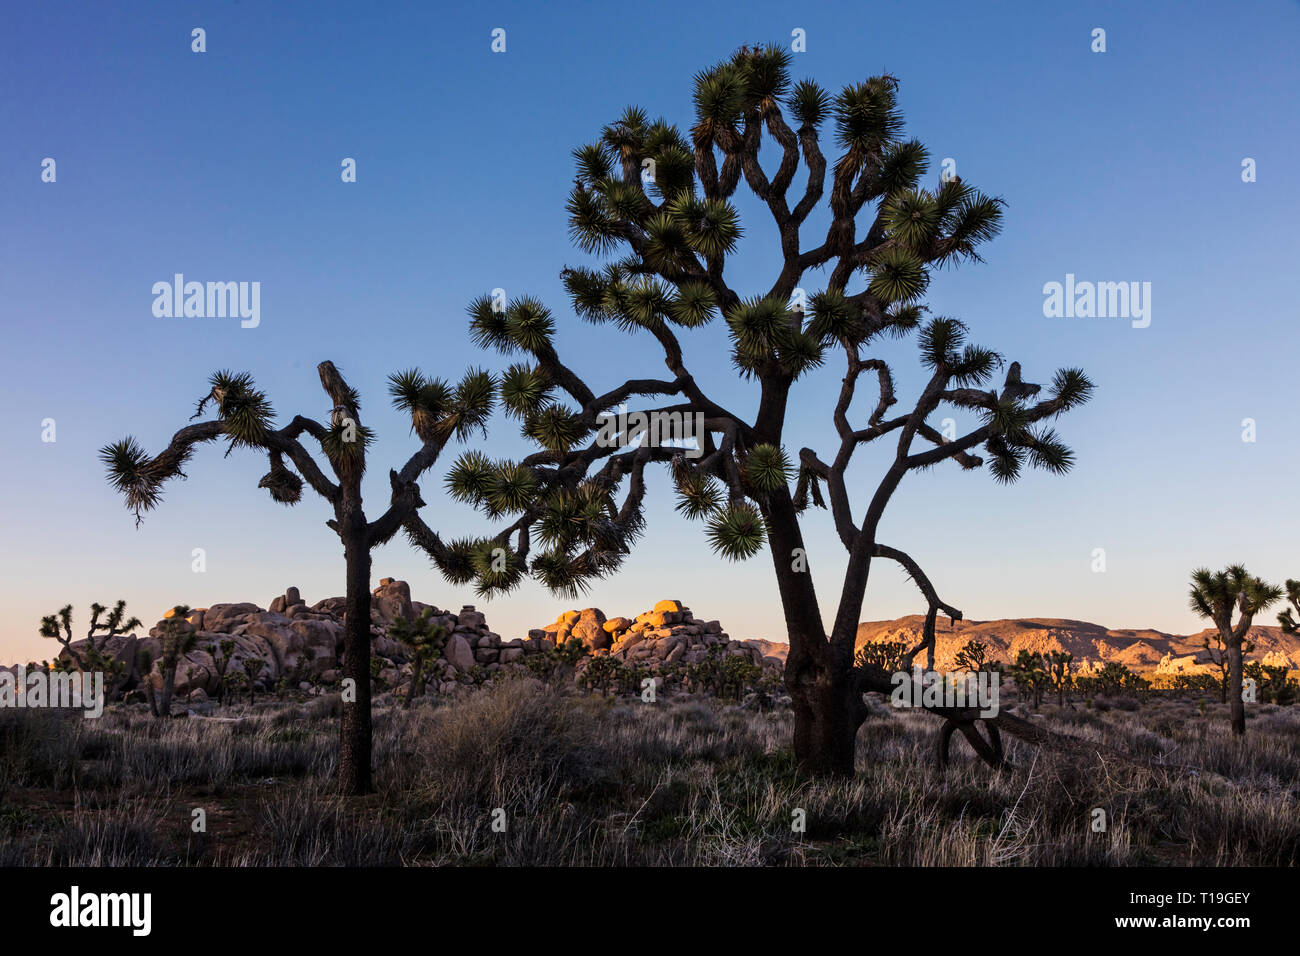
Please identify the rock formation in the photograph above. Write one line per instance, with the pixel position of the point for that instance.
(301, 646)
(667, 633)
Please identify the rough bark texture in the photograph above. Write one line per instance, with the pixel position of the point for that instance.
(354, 727)
(827, 715)
(168, 688)
(1236, 707)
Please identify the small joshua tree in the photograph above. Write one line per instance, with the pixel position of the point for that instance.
(1059, 673)
(885, 655)
(221, 661)
(1289, 619)
(177, 638)
(232, 682)
(244, 417)
(425, 639)
(1030, 674)
(1216, 596)
(973, 656)
(252, 667)
(1273, 682)
(59, 627)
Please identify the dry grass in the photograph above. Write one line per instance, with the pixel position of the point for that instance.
(590, 781)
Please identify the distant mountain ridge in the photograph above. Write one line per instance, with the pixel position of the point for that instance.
(1145, 651)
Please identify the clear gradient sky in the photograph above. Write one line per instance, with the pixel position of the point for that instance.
(1115, 166)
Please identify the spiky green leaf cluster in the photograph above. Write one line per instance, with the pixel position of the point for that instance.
(764, 331)
(472, 402)
(834, 318)
(524, 389)
(901, 167)
(940, 340)
(1071, 387)
(711, 226)
(898, 275)
(529, 324)
(128, 472)
(243, 407)
(967, 219)
(487, 324)
(1216, 594)
(867, 117)
(426, 400)
(555, 427)
(698, 495)
(576, 518)
(752, 78)
(470, 478)
(345, 444)
(570, 575)
(767, 468)
(737, 531)
(457, 561)
(495, 488)
(497, 569)
(692, 305)
(808, 103)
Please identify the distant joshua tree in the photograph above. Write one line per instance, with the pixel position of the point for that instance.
(661, 199)
(252, 668)
(1215, 596)
(973, 656)
(1059, 673)
(1289, 619)
(244, 417)
(177, 637)
(425, 639)
(1031, 675)
(59, 627)
(1217, 652)
(221, 654)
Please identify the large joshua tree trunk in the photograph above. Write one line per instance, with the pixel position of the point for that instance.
(826, 721)
(827, 708)
(1236, 707)
(354, 728)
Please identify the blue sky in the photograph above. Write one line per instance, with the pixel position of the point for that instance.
(1115, 166)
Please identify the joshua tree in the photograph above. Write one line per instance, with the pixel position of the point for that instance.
(1059, 672)
(1217, 652)
(177, 637)
(1275, 686)
(664, 199)
(1031, 675)
(972, 656)
(1215, 596)
(1289, 619)
(221, 660)
(425, 640)
(252, 667)
(244, 417)
(59, 627)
